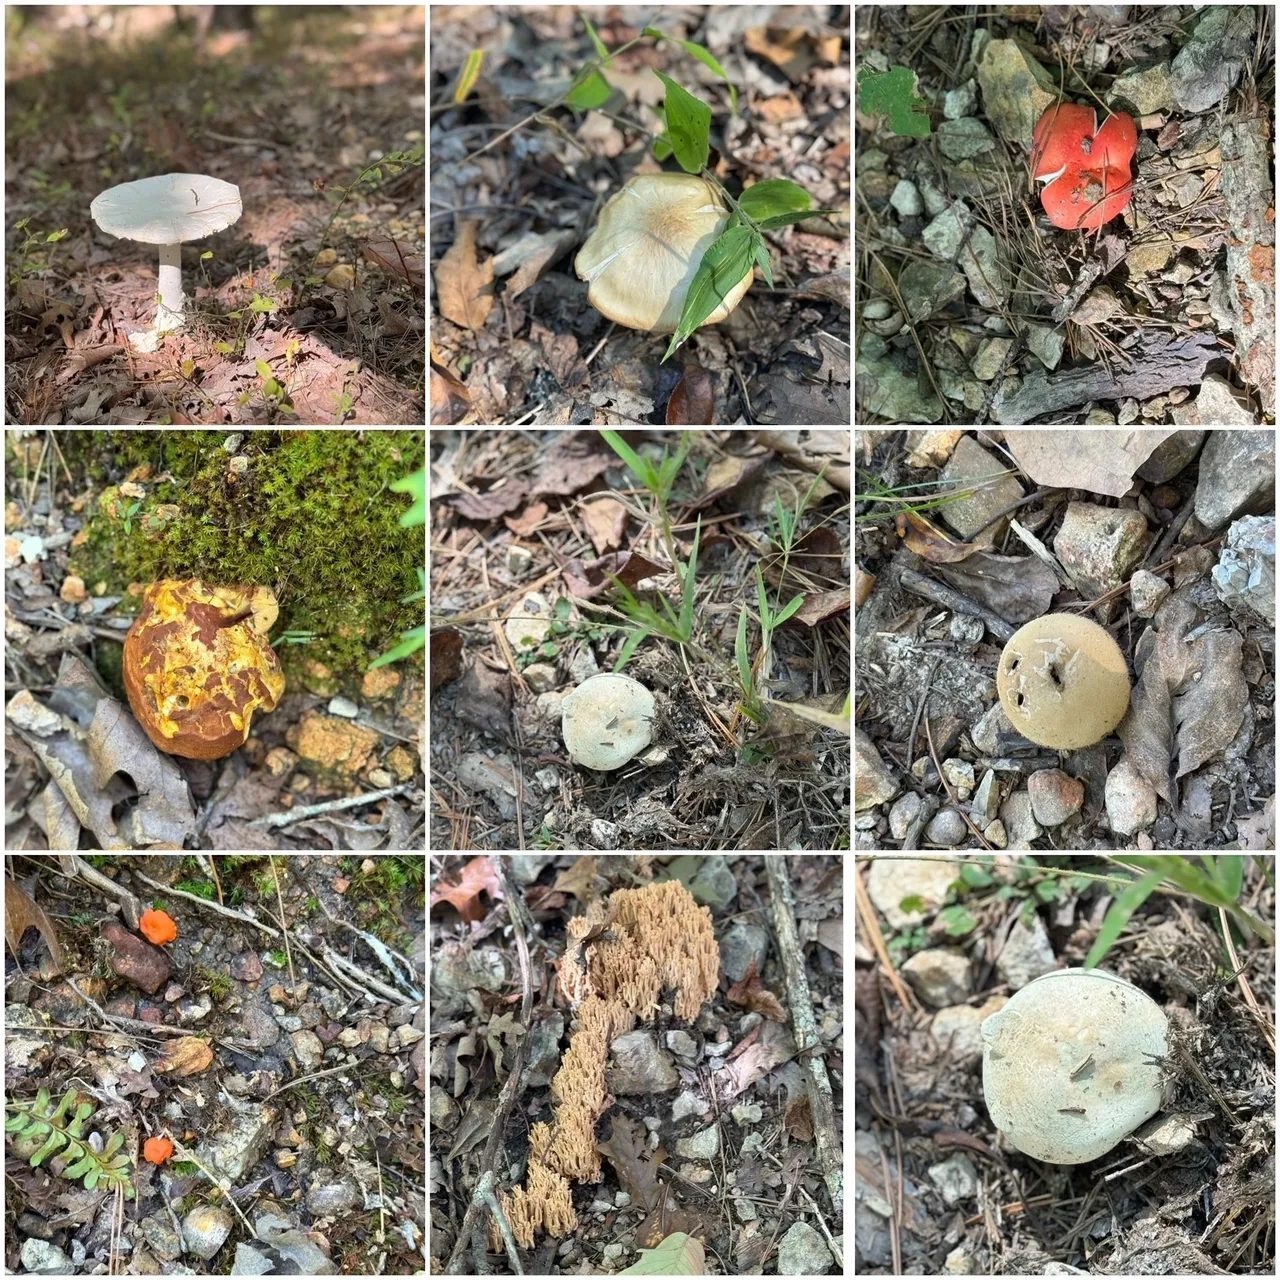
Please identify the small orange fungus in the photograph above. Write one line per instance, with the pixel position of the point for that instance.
(158, 927)
(157, 1150)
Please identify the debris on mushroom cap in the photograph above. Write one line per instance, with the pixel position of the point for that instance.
(1086, 168)
(197, 665)
(1067, 1068)
(607, 720)
(167, 211)
(1063, 681)
(647, 247)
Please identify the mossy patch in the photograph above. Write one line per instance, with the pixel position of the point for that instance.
(310, 515)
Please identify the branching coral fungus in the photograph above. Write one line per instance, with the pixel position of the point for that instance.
(613, 970)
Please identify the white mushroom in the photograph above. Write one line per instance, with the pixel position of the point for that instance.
(647, 247)
(607, 720)
(167, 211)
(1067, 1064)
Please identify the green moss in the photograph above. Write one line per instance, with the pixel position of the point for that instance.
(311, 516)
(218, 984)
(201, 888)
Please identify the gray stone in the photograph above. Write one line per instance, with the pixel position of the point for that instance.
(1237, 475)
(740, 944)
(163, 1239)
(682, 1044)
(688, 1104)
(641, 1067)
(703, 1145)
(292, 1244)
(41, 1258)
(333, 1198)
(257, 1026)
(714, 885)
(749, 1113)
(237, 1148)
(540, 677)
(205, 1230)
(803, 1252)
(307, 1049)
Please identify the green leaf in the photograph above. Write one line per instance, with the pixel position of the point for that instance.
(678, 1255)
(410, 643)
(723, 266)
(741, 653)
(791, 606)
(688, 124)
(599, 45)
(774, 197)
(263, 368)
(892, 93)
(414, 484)
(591, 91)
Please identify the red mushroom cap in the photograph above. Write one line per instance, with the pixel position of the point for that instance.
(158, 927)
(157, 1150)
(1087, 172)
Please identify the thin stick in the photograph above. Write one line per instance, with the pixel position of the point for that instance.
(275, 875)
(204, 902)
(807, 1039)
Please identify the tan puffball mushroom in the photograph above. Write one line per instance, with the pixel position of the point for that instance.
(647, 247)
(1067, 1068)
(1063, 681)
(607, 720)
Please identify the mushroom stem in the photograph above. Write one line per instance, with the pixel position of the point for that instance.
(169, 310)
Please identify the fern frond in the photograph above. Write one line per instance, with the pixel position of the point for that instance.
(112, 1167)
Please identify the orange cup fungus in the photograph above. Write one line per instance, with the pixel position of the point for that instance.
(158, 927)
(197, 665)
(1086, 169)
(157, 1150)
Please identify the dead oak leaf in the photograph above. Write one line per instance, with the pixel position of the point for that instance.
(22, 912)
(579, 880)
(478, 876)
(752, 994)
(186, 1057)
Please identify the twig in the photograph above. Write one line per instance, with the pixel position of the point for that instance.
(512, 1086)
(275, 875)
(329, 806)
(315, 1075)
(956, 601)
(204, 902)
(117, 1020)
(808, 1041)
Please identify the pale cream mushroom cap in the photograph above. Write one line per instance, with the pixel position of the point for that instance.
(1063, 681)
(647, 247)
(607, 720)
(1066, 1064)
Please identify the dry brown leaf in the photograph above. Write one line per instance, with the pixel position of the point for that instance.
(579, 880)
(464, 286)
(752, 994)
(21, 913)
(528, 520)
(478, 876)
(397, 257)
(606, 519)
(186, 1057)
(799, 1119)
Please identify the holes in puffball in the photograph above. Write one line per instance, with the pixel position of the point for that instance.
(182, 701)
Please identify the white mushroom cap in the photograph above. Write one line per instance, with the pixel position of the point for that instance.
(1066, 1064)
(167, 211)
(170, 209)
(607, 720)
(647, 247)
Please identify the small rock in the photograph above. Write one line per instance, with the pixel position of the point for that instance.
(682, 1044)
(687, 1104)
(1055, 796)
(205, 1230)
(604, 835)
(333, 1198)
(641, 1066)
(803, 1252)
(307, 1049)
(247, 967)
(163, 1239)
(379, 1037)
(703, 1145)
(343, 707)
(714, 885)
(41, 1258)
(540, 677)
(136, 960)
(750, 1113)
(349, 1038)
(741, 944)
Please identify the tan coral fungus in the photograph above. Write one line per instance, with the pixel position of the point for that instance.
(612, 972)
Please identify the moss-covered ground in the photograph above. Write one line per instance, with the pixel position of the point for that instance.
(310, 515)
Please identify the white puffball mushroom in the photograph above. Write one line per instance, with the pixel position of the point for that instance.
(607, 720)
(647, 247)
(167, 210)
(1067, 1068)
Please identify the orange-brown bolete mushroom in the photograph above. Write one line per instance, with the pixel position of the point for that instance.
(197, 665)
